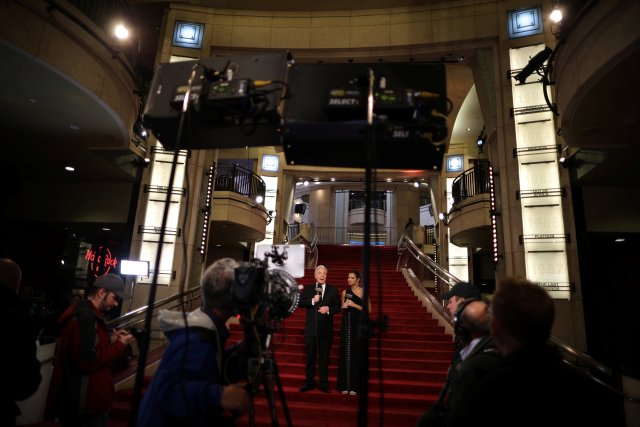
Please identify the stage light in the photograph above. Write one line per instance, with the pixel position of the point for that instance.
(415, 184)
(482, 138)
(140, 131)
(535, 64)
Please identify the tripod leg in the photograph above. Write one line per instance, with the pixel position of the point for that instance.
(252, 412)
(268, 389)
(285, 408)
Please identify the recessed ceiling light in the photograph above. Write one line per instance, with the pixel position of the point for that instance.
(620, 240)
(106, 229)
(69, 168)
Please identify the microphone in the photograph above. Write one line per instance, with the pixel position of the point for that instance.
(318, 289)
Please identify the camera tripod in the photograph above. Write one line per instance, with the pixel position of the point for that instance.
(262, 368)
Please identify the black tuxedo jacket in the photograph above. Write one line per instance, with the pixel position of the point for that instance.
(324, 326)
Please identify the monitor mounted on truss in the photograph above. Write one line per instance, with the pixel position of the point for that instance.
(325, 116)
(233, 101)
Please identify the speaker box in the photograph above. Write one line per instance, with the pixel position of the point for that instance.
(325, 118)
(300, 208)
(221, 114)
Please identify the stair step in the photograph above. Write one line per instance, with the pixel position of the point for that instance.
(407, 362)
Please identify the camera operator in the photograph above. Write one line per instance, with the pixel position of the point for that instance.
(187, 389)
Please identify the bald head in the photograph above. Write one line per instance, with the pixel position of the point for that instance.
(10, 274)
(475, 319)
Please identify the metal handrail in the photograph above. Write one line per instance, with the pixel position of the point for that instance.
(583, 362)
(311, 247)
(406, 247)
(136, 317)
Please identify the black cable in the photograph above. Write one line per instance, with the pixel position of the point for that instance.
(142, 357)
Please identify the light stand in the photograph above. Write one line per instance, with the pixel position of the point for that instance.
(363, 333)
(144, 348)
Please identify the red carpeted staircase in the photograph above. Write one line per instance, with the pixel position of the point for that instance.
(408, 361)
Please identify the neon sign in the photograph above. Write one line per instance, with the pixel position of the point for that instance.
(100, 261)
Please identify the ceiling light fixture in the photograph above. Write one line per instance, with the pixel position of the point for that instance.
(121, 32)
(69, 168)
(556, 15)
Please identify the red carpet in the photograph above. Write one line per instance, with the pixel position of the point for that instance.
(408, 362)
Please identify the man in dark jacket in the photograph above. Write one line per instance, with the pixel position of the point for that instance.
(187, 389)
(322, 302)
(532, 386)
(21, 377)
(478, 355)
(82, 390)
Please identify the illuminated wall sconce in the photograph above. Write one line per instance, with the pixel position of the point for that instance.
(188, 34)
(525, 22)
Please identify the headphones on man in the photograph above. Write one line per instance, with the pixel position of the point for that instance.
(460, 329)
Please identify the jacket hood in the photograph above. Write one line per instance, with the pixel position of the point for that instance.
(170, 320)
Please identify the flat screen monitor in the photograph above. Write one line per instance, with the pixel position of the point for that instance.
(325, 117)
(234, 101)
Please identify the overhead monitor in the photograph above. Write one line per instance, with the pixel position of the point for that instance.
(325, 116)
(233, 101)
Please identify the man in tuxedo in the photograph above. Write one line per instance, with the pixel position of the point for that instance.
(322, 302)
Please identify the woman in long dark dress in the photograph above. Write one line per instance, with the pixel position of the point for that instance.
(350, 345)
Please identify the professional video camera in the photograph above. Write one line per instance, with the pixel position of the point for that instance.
(265, 295)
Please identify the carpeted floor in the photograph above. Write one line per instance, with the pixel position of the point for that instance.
(408, 361)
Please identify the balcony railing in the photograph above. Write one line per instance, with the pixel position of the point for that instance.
(231, 177)
(354, 235)
(470, 183)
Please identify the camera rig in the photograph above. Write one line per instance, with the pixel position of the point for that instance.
(262, 298)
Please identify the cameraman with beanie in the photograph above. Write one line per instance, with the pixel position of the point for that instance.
(187, 389)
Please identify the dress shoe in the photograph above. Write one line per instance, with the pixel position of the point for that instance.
(306, 387)
(324, 389)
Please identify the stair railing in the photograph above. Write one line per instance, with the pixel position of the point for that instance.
(190, 299)
(408, 250)
(595, 370)
(310, 247)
